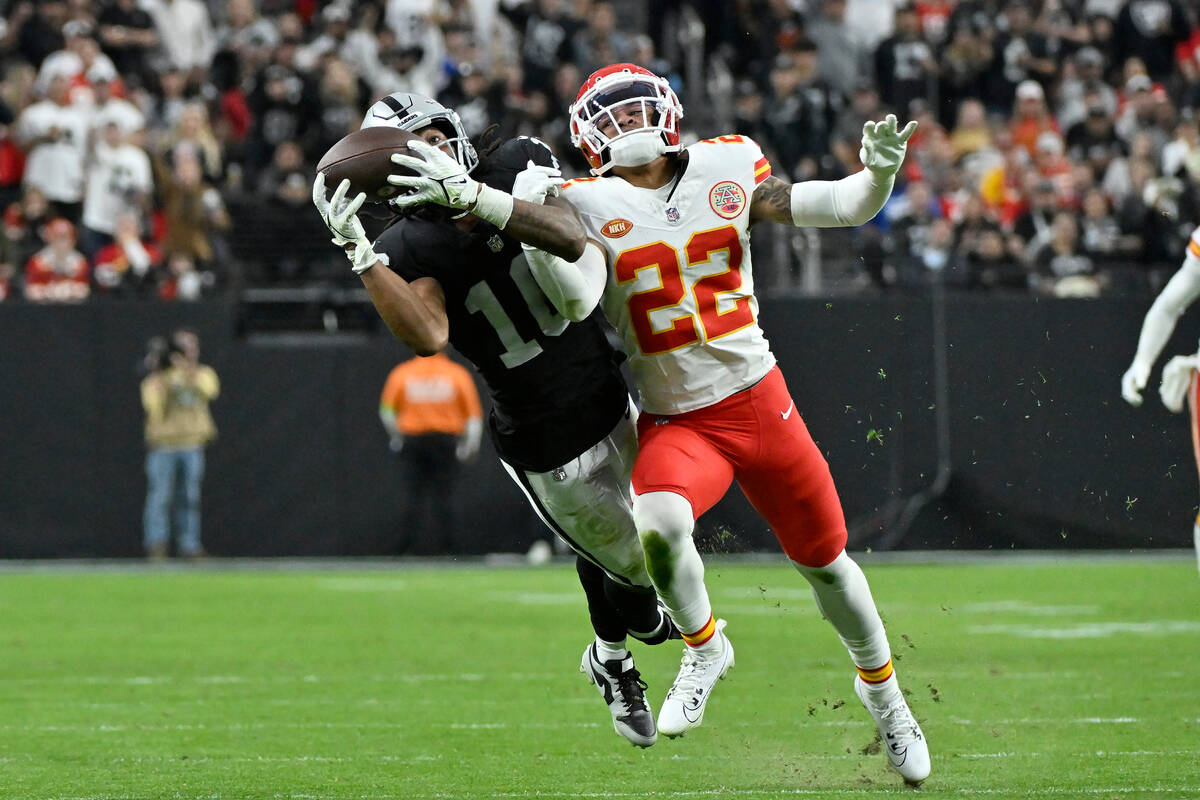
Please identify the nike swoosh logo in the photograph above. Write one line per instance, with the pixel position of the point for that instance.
(688, 716)
(788, 413)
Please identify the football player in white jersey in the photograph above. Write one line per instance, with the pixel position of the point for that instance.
(1179, 374)
(669, 260)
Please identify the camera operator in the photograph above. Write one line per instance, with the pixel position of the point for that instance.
(175, 396)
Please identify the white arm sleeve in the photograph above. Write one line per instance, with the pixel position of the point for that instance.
(573, 287)
(1171, 302)
(851, 201)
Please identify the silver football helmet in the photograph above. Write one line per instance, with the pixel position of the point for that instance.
(413, 111)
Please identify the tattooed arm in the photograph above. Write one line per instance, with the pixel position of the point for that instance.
(555, 227)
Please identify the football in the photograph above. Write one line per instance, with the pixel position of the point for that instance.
(364, 157)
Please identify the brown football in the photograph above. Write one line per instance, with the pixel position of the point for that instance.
(364, 157)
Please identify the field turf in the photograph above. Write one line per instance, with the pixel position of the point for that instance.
(1078, 678)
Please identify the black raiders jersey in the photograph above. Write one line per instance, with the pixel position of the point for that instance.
(555, 385)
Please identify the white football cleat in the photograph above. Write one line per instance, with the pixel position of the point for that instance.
(624, 692)
(699, 671)
(900, 733)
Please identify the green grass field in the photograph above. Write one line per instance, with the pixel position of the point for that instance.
(1073, 679)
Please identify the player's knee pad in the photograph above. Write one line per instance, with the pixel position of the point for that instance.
(663, 515)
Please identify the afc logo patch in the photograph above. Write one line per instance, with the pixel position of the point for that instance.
(727, 199)
(616, 228)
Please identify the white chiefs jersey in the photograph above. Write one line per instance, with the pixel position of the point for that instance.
(680, 287)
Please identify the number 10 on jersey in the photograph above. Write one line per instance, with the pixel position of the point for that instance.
(699, 316)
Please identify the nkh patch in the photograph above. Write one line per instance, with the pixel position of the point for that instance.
(616, 228)
(727, 199)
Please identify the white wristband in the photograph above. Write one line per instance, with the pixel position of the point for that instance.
(364, 257)
(493, 205)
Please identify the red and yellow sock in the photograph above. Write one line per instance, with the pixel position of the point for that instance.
(876, 676)
(704, 634)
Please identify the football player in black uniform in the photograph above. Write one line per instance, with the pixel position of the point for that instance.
(453, 270)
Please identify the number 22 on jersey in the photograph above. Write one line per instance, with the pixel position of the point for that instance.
(704, 317)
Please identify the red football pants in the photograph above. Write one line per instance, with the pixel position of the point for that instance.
(757, 437)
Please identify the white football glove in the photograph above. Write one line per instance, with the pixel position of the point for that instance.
(439, 179)
(1133, 381)
(341, 217)
(1176, 378)
(442, 180)
(535, 183)
(883, 146)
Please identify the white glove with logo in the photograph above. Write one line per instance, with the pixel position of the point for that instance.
(1133, 381)
(535, 183)
(341, 217)
(1176, 378)
(439, 179)
(883, 147)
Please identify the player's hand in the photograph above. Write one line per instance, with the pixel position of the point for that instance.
(439, 179)
(396, 442)
(341, 217)
(1133, 381)
(883, 146)
(1176, 378)
(535, 183)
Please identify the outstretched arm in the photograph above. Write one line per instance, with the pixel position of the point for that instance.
(1176, 296)
(414, 312)
(851, 201)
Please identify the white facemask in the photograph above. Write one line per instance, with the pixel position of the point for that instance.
(636, 148)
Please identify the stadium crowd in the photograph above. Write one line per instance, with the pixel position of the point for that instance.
(165, 148)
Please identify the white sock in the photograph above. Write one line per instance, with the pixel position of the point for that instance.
(844, 598)
(610, 651)
(664, 522)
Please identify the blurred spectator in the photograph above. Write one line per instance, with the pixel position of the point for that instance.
(119, 180)
(1060, 267)
(601, 42)
(80, 54)
(335, 27)
(39, 27)
(183, 280)
(971, 133)
(127, 36)
(1150, 30)
(1021, 55)
(193, 131)
(430, 410)
(168, 104)
(1101, 237)
(795, 125)
(1031, 116)
(841, 53)
(992, 265)
(1094, 140)
(186, 32)
(1034, 225)
(1181, 156)
(963, 67)
(284, 109)
(195, 213)
(286, 181)
(23, 222)
(905, 66)
(58, 273)
(548, 30)
(1141, 112)
(54, 134)
(175, 396)
(911, 216)
(8, 268)
(107, 107)
(1084, 89)
(129, 266)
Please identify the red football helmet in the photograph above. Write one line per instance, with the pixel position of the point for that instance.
(610, 88)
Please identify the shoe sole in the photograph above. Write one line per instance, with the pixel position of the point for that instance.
(625, 732)
(700, 720)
